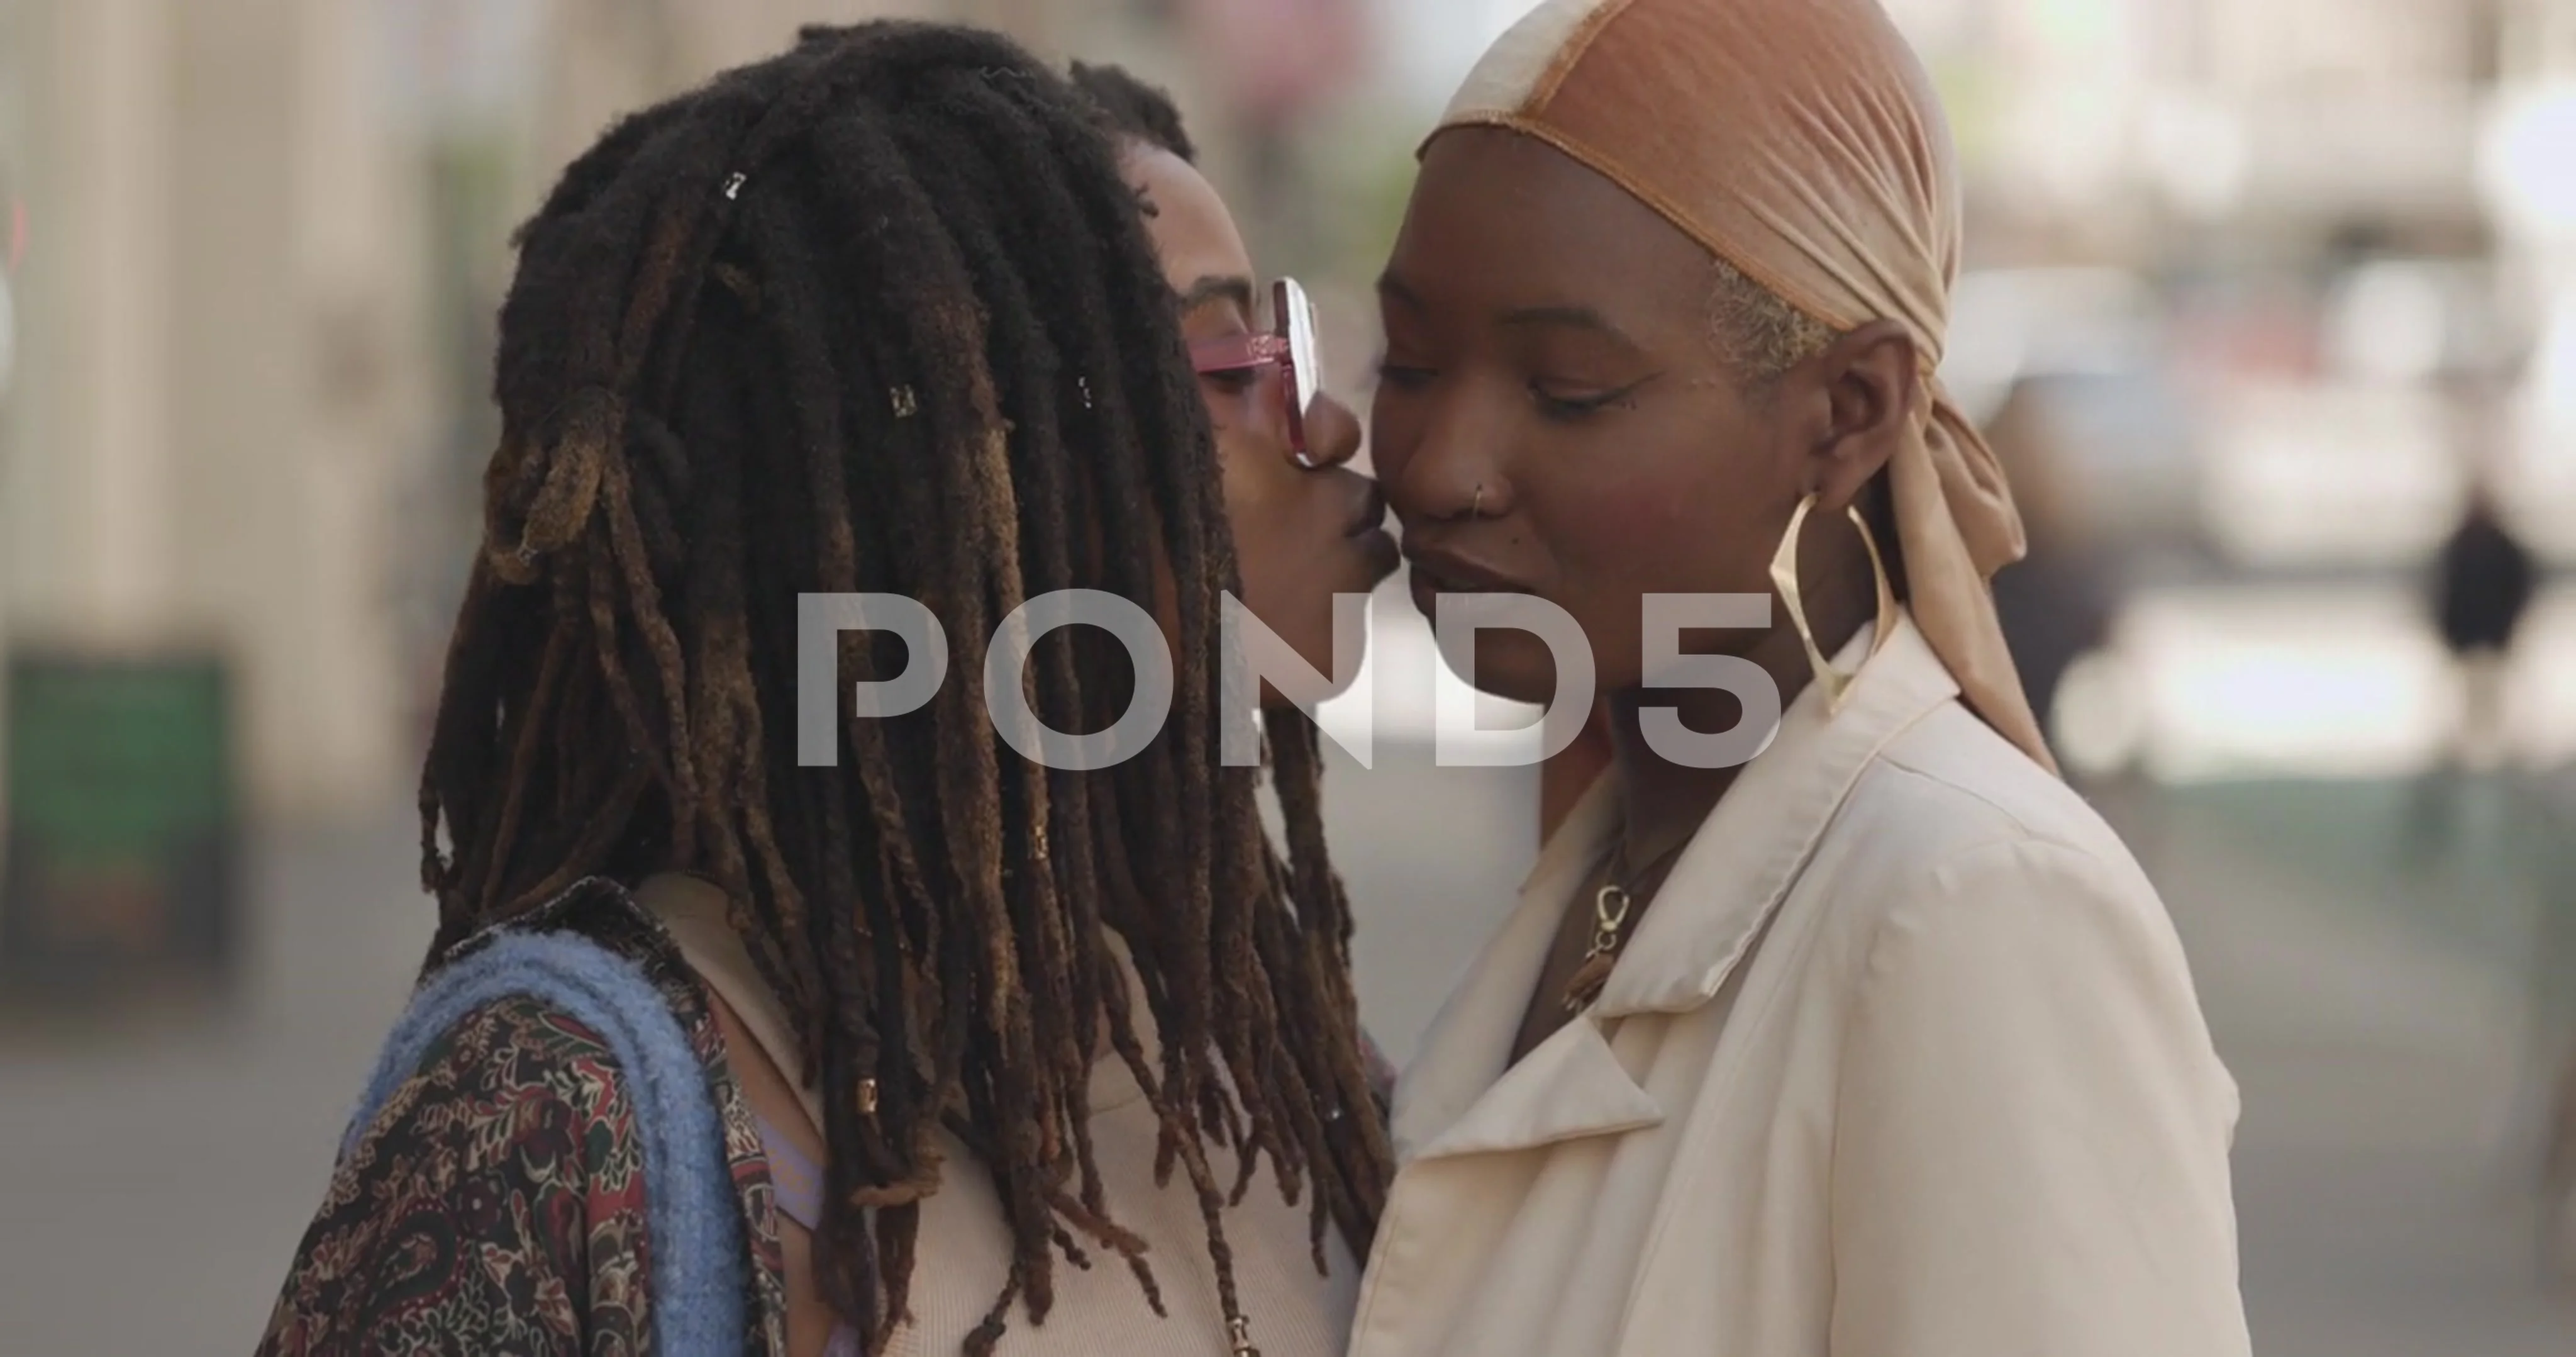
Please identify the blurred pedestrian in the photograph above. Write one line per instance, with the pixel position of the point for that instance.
(2481, 585)
(718, 1051)
(1879, 1043)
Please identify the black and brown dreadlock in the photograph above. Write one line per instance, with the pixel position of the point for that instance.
(1135, 110)
(878, 315)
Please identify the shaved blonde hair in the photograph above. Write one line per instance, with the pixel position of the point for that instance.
(1757, 331)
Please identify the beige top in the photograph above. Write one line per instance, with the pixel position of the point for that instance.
(1903, 1061)
(965, 1249)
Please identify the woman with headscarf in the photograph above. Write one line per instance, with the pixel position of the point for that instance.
(1876, 1045)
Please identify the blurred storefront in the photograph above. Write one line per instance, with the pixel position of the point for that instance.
(2290, 279)
(2268, 265)
(257, 247)
(215, 293)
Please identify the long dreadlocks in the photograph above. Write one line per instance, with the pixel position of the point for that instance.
(878, 315)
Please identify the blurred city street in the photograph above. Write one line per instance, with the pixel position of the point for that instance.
(2374, 1014)
(2267, 307)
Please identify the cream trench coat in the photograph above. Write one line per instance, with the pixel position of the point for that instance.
(1903, 1061)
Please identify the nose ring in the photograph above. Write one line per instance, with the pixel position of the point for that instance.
(1476, 505)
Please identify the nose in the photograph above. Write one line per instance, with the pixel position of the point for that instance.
(1438, 470)
(1332, 432)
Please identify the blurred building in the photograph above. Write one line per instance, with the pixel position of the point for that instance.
(242, 402)
(216, 375)
(600, 58)
(256, 252)
(2258, 117)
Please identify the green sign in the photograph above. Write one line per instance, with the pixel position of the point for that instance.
(121, 835)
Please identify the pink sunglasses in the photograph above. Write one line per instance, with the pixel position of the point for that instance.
(1289, 345)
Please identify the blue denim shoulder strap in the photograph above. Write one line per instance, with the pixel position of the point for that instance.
(700, 1260)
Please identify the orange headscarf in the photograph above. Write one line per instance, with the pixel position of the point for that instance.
(1800, 141)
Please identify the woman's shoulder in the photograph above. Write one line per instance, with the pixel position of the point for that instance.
(1950, 787)
(1959, 867)
(540, 1014)
(1953, 829)
(491, 1194)
(520, 1061)
(517, 1092)
(544, 1025)
(502, 1183)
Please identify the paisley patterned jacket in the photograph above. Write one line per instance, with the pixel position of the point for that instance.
(496, 1203)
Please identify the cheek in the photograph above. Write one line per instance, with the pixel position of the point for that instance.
(1677, 514)
(1251, 500)
(1672, 524)
(1262, 515)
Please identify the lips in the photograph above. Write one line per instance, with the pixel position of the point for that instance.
(1367, 531)
(1437, 572)
(1371, 516)
(1448, 572)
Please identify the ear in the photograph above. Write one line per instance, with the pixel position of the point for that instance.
(1866, 391)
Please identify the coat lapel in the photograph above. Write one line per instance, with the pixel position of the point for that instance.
(1458, 1097)
(1570, 1086)
(1745, 856)
(1470, 1041)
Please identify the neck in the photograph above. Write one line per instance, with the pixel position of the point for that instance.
(1665, 801)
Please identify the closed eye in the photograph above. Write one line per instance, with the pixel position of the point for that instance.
(1231, 381)
(1566, 407)
(1404, 376)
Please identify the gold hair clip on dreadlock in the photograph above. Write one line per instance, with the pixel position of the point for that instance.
(904, 404)
(733, 185)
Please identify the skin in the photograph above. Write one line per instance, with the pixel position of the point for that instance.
(1300, 535)
(810, 1318)
(1549, 339)
(1568, 774)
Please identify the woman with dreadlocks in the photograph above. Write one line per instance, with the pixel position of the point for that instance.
(717, 1051)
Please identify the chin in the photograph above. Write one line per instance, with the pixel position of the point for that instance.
(1307, 632)
(1511, 665)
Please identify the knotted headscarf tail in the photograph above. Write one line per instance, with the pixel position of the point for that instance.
(1799, 140)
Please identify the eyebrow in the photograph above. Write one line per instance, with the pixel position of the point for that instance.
(1393, 289)
(1228, 287)
(1567, 317)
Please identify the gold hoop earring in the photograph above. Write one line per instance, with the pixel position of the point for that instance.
(1784, 577)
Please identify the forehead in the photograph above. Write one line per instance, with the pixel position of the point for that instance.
(1193, 233)
(1499, 220)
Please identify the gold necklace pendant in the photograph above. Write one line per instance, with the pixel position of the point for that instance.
(1610, 906)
